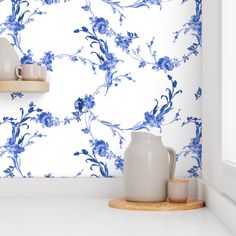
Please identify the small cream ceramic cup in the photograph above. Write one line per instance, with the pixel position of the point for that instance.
(178, 190)
(42, 73)
(28, 72)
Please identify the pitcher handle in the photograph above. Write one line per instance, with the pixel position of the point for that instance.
(172, 163)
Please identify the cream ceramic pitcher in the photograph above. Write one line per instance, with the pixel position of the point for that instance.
(148, 166)
(8, 60)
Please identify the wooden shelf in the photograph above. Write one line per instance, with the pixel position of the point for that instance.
(121, 203)
(7, 86)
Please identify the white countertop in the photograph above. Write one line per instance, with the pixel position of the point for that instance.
(85, 217)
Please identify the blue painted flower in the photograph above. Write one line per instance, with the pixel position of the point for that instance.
(89, 101)
(196, 24)
(165, 63)
(79, 104)
(100, 25)
(150, 119)
(47, 60)
(119, 163)
(82, 105)
(17, 27)
(174, 83)
(27, 58)
(14, 25)
(110, 63)
(14, 149)
(46, 119)
(100, 148)
(49, 2)
(11, 141)
(124, 41)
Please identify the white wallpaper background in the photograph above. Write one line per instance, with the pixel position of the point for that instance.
(114, 67)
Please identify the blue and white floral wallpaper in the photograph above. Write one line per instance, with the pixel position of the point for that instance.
(114, 67)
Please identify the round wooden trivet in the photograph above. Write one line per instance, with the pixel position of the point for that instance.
(121, 203)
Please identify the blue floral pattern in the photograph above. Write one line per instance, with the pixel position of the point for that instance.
(118, 57)
(198, 94)
(21, 137)
(194, 148)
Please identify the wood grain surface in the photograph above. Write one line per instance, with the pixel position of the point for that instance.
(121, 203)
(24, 86)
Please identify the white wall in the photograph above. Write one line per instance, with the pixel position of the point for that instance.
(211, 85)
(83, 125)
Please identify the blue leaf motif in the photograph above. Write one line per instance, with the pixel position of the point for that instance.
(85, 29)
